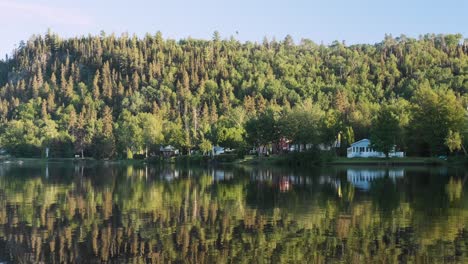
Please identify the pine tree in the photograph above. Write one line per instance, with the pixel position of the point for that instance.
(51, 102)
(261, 104)
(69, 89)
(44, 113)
(72, 122)
(213, 113)
(135, 82)
(35, 88)
(63, 81)
(96, 89)
(107, 122)
(53, 80)
(106, 82)
(80, 134)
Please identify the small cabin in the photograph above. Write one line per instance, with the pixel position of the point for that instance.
(169, 151)
(363, 149)
(217, 150)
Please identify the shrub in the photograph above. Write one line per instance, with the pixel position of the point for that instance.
(307, 158)
(25, 151)
(103, 147)
(61, 148)
(139, 156)
(226, 158)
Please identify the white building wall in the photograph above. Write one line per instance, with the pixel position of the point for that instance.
(363, 149)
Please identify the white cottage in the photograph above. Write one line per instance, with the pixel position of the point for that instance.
(363, 149)
(217, 150)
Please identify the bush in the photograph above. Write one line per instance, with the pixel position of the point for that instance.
(25, 151)
(154, 159)
(226, 158)
(61, 148)
(139, 156)
(103, 147)
(311, 157)
(241, 152)
(193, 159)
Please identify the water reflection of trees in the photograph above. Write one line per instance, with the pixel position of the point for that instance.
(146, 214)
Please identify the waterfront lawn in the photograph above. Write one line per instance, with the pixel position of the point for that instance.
(391, 161)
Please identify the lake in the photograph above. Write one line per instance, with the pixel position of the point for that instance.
(59, 212)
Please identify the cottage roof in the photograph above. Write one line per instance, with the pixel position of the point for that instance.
(168, 148)
(364, 140)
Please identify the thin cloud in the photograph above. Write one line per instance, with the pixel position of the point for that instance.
(43, 12)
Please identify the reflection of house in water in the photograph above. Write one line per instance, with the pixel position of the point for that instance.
(329, 180)
(169, 174)
(361, 178)
(222, 175)
(284, 184)
(283, 181)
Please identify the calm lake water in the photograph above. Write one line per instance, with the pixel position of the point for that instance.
(136, 214)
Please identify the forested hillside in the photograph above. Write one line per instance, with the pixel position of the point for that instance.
(109, 96)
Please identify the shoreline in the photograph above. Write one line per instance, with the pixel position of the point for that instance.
(274, 160)
(406, 161)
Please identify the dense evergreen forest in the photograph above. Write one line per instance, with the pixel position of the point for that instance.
(108, 96)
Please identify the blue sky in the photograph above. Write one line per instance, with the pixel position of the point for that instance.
(356, 21)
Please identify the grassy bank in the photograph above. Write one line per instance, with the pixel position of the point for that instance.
(307, 159)
(389, 161)
(200, 159)
(295, 159)
(88, 161)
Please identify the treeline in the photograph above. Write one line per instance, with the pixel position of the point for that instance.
(108, 96)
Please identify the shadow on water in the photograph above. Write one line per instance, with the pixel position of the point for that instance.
(111, 213)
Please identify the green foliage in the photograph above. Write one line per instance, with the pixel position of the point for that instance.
(226, 158)
(264, 129)
(435, 114)
(302, 123)
(453, 141)
(205, 146)
(20, 138)
(231, 137)
(386, 129)
(61, 147)
(151, 129)
(129, 133)
(103, 147)
(147, 91)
